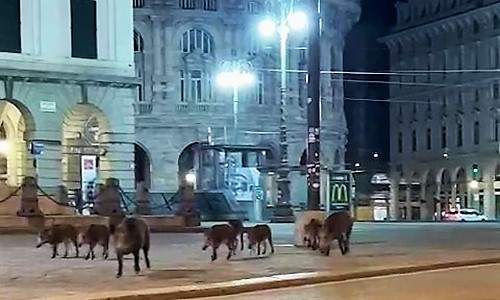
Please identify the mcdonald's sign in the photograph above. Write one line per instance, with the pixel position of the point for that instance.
(339, 193)
(340, 190)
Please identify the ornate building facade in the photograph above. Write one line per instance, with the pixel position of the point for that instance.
(445, 108)
(67, 85)
(179, 48)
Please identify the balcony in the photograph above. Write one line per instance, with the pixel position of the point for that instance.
(189, 107)
(143, 108)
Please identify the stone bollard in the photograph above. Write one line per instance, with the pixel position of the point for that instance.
(302, 218)
(62, 194)
(142, 198)
(108, 201)
(187, 208)
(29, 199)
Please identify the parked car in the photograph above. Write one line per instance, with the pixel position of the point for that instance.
(464, 215)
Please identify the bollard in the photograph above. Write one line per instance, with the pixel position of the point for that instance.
(108, 202)
(142, 197)
(29, 199)
(62, 194)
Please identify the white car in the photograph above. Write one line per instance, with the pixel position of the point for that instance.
(464, 215)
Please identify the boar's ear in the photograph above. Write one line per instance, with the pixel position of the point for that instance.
(112, 228)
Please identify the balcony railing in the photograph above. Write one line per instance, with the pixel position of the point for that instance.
(143, 108)
(188, 107)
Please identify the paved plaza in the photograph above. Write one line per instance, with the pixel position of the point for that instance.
(177, 259)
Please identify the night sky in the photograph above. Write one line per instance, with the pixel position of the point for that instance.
(368, 121)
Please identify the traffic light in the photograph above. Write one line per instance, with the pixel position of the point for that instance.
(475, 171)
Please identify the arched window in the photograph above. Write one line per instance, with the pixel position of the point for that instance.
(138, 42)
(197, 39)
(476, 27)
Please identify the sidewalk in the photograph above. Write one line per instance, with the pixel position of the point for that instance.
(177, 260)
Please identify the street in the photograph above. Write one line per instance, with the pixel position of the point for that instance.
(177, 259)
(471, 283)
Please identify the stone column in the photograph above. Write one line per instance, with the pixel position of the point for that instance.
(408, 201)
(454, 193)
(489, 198)
(394, 201)
(157, 45)
(108, 202)
(142, 198)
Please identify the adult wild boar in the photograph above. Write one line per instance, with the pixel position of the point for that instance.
(338, 226)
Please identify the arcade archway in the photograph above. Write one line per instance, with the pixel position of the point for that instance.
(84, 154)
(16, 126)
(142, 163)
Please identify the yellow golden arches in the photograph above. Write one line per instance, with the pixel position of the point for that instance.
(339, 193)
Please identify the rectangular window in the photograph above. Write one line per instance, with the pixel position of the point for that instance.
(254, 7)
(429, 139)
(495, 130)
(187, 4)
(496, 90)
(138, 3)
(414, 141)
(476, 133)
(10, 26)
(196, 86)
(460, 135)
(83, 29)
(191, 40)
(400, 142)
(183, 86)
(444, 142)
(260, 89)
(210, 5)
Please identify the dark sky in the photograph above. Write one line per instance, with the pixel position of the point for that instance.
(368, 121)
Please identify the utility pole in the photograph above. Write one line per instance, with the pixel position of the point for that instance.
(313, 109)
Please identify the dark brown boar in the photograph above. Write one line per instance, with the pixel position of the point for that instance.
(338, 226)
(219, 234)
(129, 237)
(96, 235)
(258, 235)
(311, 234)
(56, 234)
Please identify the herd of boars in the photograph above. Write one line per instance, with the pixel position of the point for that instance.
(132, 235)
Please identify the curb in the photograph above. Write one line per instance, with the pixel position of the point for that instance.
(267, 283)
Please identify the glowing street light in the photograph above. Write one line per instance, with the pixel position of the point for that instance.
(4, 147)
(474, 184)
(190, 178)
(236, 74)
(289, 20)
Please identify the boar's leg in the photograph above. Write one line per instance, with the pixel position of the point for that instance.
(137, 268)
(119, 257)
(54, 250)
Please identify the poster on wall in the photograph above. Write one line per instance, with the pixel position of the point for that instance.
(340, 191)
(89, 175)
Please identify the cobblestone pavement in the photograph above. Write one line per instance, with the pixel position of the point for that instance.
(177, 259)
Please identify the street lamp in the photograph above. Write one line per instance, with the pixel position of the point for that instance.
(289, 20)
(235, 74)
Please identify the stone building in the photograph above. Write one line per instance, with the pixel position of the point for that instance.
(68, 88)
(445, 110)
(180, 47)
